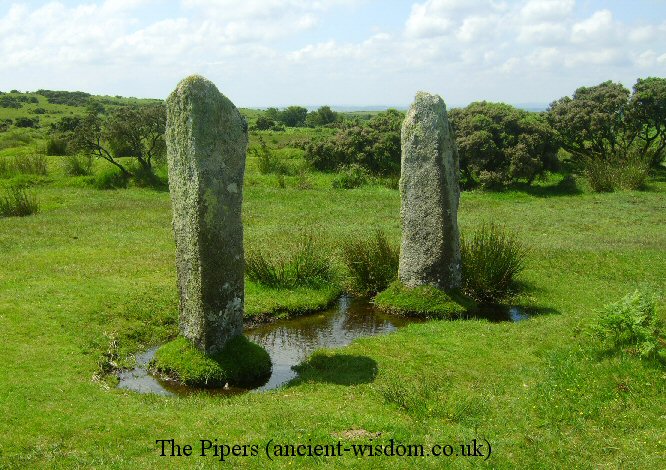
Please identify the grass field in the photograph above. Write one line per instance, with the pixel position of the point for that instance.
(91, 280)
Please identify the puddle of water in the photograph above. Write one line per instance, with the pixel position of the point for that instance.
(290, 342)
(139, 380)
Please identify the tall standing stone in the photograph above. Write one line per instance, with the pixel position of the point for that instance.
(206, 145)
(430, 251)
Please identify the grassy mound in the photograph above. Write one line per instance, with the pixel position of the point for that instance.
(241, 363)
(422, 301)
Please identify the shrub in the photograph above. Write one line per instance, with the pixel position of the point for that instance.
(350, 177)
(499, 144)
(111, 178)
(26, 122)
(372, 264)
(374, 145)
(55, 146)
(267, 160)
(78, 165)
(306, 266)
(146, 177)
(631, 322)
(491, 258)
(17, 202)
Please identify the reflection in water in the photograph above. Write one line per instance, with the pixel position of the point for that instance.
(139, 380)
(290, 342)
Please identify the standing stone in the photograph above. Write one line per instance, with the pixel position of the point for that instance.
(430, 251)
(206, 144)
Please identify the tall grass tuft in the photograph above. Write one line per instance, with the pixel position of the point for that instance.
(372, 264)
(23, 165)
(305, 266)
(491, 259)
(17, 202)
(31, 165)
(78, 165)
(628, 171)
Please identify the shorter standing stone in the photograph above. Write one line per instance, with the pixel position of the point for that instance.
(430, 251)
(206, 145)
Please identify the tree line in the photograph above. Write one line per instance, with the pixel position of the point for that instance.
(608, 133)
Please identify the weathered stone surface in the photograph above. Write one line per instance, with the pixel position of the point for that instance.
(429, 188)
(206, 146)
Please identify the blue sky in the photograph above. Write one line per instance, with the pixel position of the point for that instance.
(339, 52)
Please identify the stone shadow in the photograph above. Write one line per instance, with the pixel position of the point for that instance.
(335, 368)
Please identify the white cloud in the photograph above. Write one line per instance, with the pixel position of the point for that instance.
(599, 27)
(255, 45)
(547, 10)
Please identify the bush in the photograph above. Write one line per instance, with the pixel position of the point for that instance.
(374, 145)
(306, 266)
(26, 122)
(111, 178)
(372, 264)
(632, 322)
(17, 202)
(78, 165)
(499, 144)
(267, 160)
(145, 177)
(56, 146)
(350, 177)
(491, 259)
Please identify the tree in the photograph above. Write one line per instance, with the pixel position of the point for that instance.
(592, 123)
(499, 144)
(321, 117)
(264, 123)
(293, 116)
(136, 132)
(647, 114)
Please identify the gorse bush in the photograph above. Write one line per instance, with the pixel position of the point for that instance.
(305, 266)
(491, 259)
(499, 144)
(632, 323)
(374, 145)
(372, 264)
(267, 160)
(56, 146)
(350, 177)
(78, 165)
(17, 202)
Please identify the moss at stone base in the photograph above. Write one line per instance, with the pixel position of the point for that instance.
(423, 301)
(241, 363)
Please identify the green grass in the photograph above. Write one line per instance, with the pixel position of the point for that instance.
(240, 363)
(94, 272)
(423, 301)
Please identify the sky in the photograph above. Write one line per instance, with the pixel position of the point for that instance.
(264, 53)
